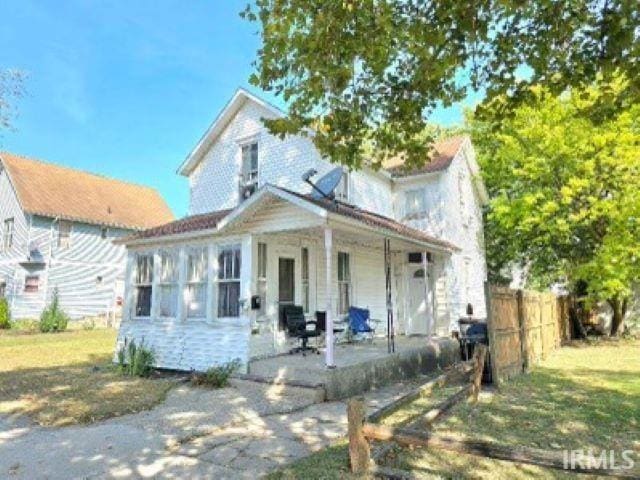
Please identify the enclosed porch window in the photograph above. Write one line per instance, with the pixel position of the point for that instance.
(168, 284)
(143, 285)
(197, 282)
(229, 281)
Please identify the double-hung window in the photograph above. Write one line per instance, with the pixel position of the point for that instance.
(250, 163)
(415, 202)
(342, 190)
(64, 234)
(197, 282)
(168, 284)
(229, 281)
(344, 283)
(31, 284)
(3, 289)
(143, 285)
(7, 234)
(262, 274)
(305, 279)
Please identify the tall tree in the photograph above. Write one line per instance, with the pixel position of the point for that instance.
(565, 187)
(11, 89)
(361, 72)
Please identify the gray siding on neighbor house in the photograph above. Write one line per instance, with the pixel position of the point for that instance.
(87, 274)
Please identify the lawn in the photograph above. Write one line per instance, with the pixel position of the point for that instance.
(580, 397)
(67, 378)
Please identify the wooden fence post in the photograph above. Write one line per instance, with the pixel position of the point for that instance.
(479, 358)
(495, 371)
(522, 324)
(359, 450)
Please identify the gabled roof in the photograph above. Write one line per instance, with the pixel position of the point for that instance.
(442, 154)
(219, 124)
(60, 192)
(217, 222)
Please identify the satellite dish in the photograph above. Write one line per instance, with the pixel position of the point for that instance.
(325, 187)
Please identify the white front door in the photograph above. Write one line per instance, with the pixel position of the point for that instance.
(419, 310)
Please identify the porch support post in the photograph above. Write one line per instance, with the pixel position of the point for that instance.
(328, 247)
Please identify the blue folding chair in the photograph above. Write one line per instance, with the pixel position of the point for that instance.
(359, 324)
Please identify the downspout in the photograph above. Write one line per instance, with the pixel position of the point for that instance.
(49, 257)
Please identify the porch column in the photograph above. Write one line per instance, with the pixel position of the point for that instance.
(328, 246)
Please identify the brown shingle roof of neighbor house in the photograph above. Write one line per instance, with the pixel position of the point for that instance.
(192, 223)
(211, 220)
(441, 157)
(60, 192)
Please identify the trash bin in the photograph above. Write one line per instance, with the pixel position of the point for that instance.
(472, 332)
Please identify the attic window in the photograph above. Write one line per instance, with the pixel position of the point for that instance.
(7, 236)
(249, 172)
(104, 232)
(64, 234)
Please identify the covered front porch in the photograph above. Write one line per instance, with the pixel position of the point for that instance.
(325, 257)
(358, 367)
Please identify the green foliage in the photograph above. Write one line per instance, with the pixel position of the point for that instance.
(5, 314)
(53, 318)
(216, 377)
(371, 72)
(565, 187)
(135, 360)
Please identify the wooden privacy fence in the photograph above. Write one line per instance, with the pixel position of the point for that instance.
(524, 327)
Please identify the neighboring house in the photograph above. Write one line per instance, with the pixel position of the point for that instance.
(207, 288)
(57, 228)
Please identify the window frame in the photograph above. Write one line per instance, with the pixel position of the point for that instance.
(64, 236)
(147, 283)
(261, 274)
(225, 282)
(30, 288)
(3, 289)
(344, 283)
(342, 192)
(8, 234)
(410, 206)
(168, 282)
(192, 283)
(248, 171)
(305, 274)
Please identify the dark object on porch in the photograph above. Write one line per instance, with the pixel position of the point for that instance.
(473, 332)
(298, 327)
(321, 318)
(359, 323)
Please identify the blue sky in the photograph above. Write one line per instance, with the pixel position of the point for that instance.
(126, 88)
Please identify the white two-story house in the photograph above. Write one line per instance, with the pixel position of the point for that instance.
(208, 288)
(57, 227)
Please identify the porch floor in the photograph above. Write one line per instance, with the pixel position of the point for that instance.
(359, 367)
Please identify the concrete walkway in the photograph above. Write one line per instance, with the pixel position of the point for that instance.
(243, 431)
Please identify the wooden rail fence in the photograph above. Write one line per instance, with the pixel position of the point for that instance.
(524, 327)
(363, 431)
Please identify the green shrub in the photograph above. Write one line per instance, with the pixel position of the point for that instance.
(5, 314)
(135, 360)
(216, 377)
(53, 318)
(27, 325)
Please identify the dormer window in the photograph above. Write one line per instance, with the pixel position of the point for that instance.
(415, 202)
(342, 191)
(249, 172)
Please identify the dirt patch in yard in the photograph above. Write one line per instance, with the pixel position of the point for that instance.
(67, 378)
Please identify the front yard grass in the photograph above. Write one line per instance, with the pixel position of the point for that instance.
(67, 378)
(581, 397)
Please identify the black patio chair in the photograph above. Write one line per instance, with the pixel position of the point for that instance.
(298, 327)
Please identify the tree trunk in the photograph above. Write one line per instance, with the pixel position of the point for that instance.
(619, 311)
